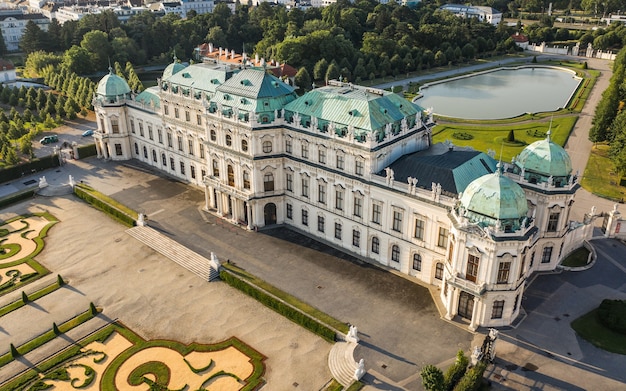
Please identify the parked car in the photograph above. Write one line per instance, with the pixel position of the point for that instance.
(49, 139)
(88, 132)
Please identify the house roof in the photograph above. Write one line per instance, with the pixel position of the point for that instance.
(6, 65)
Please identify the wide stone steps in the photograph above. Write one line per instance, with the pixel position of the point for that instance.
(178, 253)
(341, 362)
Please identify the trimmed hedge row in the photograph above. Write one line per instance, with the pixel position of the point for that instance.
(19, 170)
(17, 197)
(456, 371)
(86, 151)
(279, 306)
(106, 204)
(473, 378)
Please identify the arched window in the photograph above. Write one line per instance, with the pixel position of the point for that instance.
(154, 156)
(231, 176)
(267, 146)
(229, 140)
(136, 149)
(439, 271)
(244, 145)
(213, 135)
(216, 169)
(268, 182)
(395, 253)
(417, 262)
(145, 152)
(375, 245)
(164, 159)
(246, 180)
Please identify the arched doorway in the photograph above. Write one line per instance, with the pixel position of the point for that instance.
(466, 305)
(270, 213)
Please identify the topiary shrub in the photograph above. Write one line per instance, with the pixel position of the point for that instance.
(473, 378)
(612, 314)
(432, 378)
(456, 371)
(511, 137)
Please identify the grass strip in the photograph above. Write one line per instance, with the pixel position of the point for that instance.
(591, 329)
(600, 177)
(47, 336)
(106, 204)
(32, 297)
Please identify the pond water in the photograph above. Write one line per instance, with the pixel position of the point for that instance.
(503, 93)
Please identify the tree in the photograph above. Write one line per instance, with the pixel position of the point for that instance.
(32, 38)
(332, 73)
(432, 378)
(320, 68)
(78, 60)
(97, 44)
(3, 46)
(303, 80)
(217, 37)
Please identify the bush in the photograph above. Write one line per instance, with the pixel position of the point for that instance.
(612, 314)
(279, 306)
(432, 378)
(511, 137)
(456, 371)
(16, 198)
(107, 205)
(19, 170)
(86, 151)
(472, 379)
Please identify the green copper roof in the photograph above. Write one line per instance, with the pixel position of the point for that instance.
(172, 69)
(199, 77)
(112, 86)
(345, 104)
(149, 97)
(545, 158)
(495, 197)
(254, 90)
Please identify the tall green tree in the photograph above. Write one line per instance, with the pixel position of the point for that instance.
(32, 38)
(303, 79)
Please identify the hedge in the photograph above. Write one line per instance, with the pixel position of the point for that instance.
(18, 171)
(109, 206)
(612, 314)
(17, 197)
(456, 371)
(473, 378)
(86, 151)
(279, 306)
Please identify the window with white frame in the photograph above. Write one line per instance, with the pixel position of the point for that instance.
(376, 213)
(150, 135)
(397, 221)
(375, 245)
(289, 211)
(140, 129)
(288, 146)
(244, 145)
(417, 262)
(305, 150)
(553, 221)
(418, 233)
(163, 159)
(321, 192)
(289, 181)
(395, 253)
(339, 198)
(160, 135)
(305, 186)
(169, 139)
(216, 168)
(321, 154)
(546, 256)
(213, 135)
(305, 217)
(180, 143)
(358, 167)
(356, 238)
(268, 182)
(201, 147)
(229, 140)
(320, 223)
(267, 146)
(340, 160)
(338, 231)
(358, 205)
(442, 239)
(190, 142)
(497, 309)
(439, 271)
(246, 179)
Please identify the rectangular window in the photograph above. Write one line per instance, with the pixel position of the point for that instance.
(199, 119)
(187, 116)
(289, 211)
(439, 271)
(322, 155)
(375, 245)
(546, 256)
(288, 147)
(132, 126)
(339, 199)
(140, 129)
(115, 126)
(321, 193)
(356, 238)
(172, 165)
(419, 229)
(305, 187)
(180, 143)
(169, 140)
(182, 168)
(118, 149)
(503, 272)
(497, 310)
(160, 135)
(442, 239)
(203, 172)
(376, 212)
(337, 230)
(397, 221)
(340, 161)
(320, 223)
(289, 181)
(472, 268)
(553, 222)
(166, 110)
(417, 262)
(358, 168)
(150, 135)
(201, 146)
(176, 113)
(190, 147)
(305, 217)
(305, 150)
(193, 171)
(521, 268)
(358, 206)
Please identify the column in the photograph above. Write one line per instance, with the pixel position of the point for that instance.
(207, 197)
(99, 149)
(474, 323)
(450, 302)
(218, 204)
(250, 225)
(211, 197)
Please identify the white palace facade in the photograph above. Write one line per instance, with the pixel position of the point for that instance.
(354, 168)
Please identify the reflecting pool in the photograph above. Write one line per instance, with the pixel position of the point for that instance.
(502, 93)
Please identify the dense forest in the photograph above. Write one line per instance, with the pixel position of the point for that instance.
(364, 39)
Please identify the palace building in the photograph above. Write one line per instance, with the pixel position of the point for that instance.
(355, 168)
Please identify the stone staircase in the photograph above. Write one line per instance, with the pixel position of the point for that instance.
(178, 253)
(341, 362)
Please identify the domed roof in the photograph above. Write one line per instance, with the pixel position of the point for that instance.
(545, 158)
(172, 69)
(494, 196)
(112, 86)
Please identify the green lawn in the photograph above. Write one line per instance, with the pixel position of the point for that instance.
(494, 136)
(589, 327)
(577, 258)
(600, 177)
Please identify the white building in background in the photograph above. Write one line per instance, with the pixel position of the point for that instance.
(354, 168)
(13, 24)
(484, 14)
(199, 6)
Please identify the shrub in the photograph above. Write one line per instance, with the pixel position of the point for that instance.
(16, 198)
(511, 137)
(17, 171)
(612, 314)
(456, 371)
(86, 151)
(107, 205)
(432, 378)
(472, 379)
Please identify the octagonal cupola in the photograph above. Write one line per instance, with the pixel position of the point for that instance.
(544, 161)
(172, 69)
(112, 88)
(496, 201)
